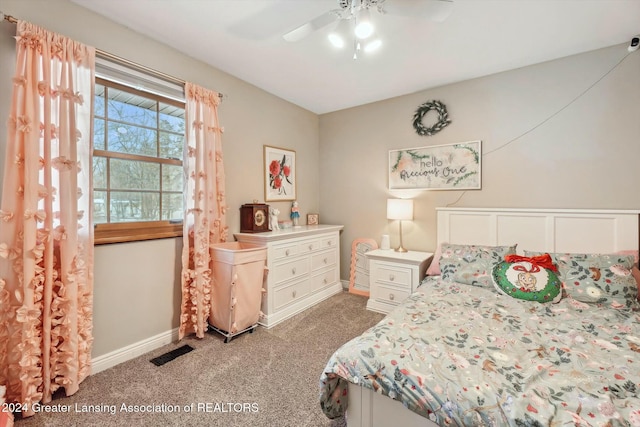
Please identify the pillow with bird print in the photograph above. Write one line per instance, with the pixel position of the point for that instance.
(600, 279)
(471, 264)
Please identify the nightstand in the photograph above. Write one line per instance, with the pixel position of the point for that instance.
(393, 276)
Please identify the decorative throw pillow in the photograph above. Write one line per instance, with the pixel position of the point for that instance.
(434, 267)
(529, 279)
(603, 279)
(471, 264)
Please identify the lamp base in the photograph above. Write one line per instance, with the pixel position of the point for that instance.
(401, 249)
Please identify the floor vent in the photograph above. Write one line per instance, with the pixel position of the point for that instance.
(168, 357)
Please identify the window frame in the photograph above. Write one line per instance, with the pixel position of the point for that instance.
(131, 231)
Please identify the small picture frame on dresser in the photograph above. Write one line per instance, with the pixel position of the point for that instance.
(313, 219)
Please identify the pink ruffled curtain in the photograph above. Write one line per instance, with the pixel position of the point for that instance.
(205, 206)
(46, 234)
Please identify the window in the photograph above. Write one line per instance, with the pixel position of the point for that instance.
(137, 164)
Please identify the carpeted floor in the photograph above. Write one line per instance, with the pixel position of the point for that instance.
(266, 379)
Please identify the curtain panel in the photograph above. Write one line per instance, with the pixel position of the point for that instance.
(46, 234)
(205, 206)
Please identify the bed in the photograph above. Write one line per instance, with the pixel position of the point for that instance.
(462, 352)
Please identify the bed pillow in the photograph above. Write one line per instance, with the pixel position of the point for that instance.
(471, 264)
(434, 267)
(529, 279)
(603, 279)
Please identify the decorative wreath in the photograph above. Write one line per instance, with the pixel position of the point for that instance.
(443, 118)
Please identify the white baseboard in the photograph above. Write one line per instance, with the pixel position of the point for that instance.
(106, 361)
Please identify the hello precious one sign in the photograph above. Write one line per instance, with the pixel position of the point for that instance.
(439, 167)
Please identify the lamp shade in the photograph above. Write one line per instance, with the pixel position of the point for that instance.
(400, 209)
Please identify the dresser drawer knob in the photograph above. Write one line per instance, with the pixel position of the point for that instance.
(330, 242)
(287, 252)
(310, 247)
(293, 294)
(293, 271)
(392, 277)
(325, 281)
(325, 261)
(391, 297)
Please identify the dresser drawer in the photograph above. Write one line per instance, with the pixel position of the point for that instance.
(329, 242)
(395, 274)
(323, 259)
(321, 280)
(308, 246)
(290, 269)
(391, 294)
(285, 251)
(287, 294)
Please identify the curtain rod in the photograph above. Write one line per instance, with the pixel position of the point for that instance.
(122, 61)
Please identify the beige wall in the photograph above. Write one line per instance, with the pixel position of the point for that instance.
(584, 157)
(137, 284)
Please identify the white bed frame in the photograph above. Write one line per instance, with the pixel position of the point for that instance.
(548, 230)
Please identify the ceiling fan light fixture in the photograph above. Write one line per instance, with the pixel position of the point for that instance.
(373, 45)
(364, 26)
(340, 34)
(336, 40)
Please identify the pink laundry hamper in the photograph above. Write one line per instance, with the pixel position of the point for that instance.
(236, 296)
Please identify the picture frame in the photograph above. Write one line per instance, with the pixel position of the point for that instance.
(279, 174)
(440, 167)
(313, 219)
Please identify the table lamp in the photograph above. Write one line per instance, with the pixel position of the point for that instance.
(400, 209)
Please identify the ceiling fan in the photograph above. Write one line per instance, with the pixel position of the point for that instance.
(353, 17)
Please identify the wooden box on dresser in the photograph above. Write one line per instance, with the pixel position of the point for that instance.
(304, 268)
(393, 276)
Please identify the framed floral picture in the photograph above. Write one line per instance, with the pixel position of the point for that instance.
(279, 174)
(313, 219)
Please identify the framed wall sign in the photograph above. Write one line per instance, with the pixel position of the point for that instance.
(279, 174)
(439, 167)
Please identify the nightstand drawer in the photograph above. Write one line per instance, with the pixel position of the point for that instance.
(291, 269)
(290, 293)
(392, 274)
(391, 294)
(323, 259)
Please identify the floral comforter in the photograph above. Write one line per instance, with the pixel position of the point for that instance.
(468, 356)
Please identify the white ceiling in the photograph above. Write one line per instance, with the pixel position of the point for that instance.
(480, 37)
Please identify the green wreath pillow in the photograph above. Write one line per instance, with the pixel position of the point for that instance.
(529, 279)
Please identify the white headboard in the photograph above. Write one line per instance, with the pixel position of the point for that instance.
(543, 230)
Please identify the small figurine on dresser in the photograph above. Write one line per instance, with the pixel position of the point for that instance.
(273, 219)
(295, 213)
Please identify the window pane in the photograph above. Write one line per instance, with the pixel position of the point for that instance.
(171, 146)
(132, 139)
(130, 108)
(99, 207)
(134, 175)
(98, 134)
(99, 101)
(99, 173)
(172, 177)
(171, 118)
(134, 206)
(171, 206)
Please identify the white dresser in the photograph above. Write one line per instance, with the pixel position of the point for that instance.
(393, 276)
(304, 268)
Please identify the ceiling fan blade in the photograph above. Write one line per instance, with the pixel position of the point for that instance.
(434, 10)
(307, 28)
